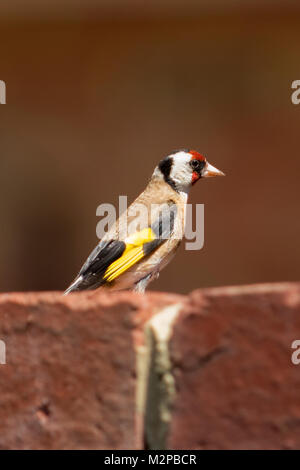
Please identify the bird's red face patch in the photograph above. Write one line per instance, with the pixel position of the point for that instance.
(195, 177)
(197, 156)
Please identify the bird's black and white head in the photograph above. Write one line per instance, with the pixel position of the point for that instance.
(183, 168)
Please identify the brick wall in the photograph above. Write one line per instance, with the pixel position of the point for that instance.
(211, 370)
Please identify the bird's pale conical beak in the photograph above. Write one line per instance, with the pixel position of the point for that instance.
(210, 170)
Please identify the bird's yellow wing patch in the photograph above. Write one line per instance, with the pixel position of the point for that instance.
(132, 254)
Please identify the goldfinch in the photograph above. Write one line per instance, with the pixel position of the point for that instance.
(136, 248)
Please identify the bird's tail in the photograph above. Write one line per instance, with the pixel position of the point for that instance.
(74, 286)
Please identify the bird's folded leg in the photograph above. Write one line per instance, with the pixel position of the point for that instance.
(142, 284)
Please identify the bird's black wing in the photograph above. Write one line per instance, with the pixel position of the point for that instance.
(91, 274)
(112, 258)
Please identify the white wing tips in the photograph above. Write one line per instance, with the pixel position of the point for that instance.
(74, 286)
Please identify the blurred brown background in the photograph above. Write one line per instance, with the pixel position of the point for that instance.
(98, 92)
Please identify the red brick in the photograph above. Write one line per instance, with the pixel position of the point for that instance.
(69, 381)
(70, 378)
(236, 385)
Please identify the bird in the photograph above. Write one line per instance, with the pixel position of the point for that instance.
(135, 249)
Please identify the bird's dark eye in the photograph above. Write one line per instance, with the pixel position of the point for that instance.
(197, 165)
